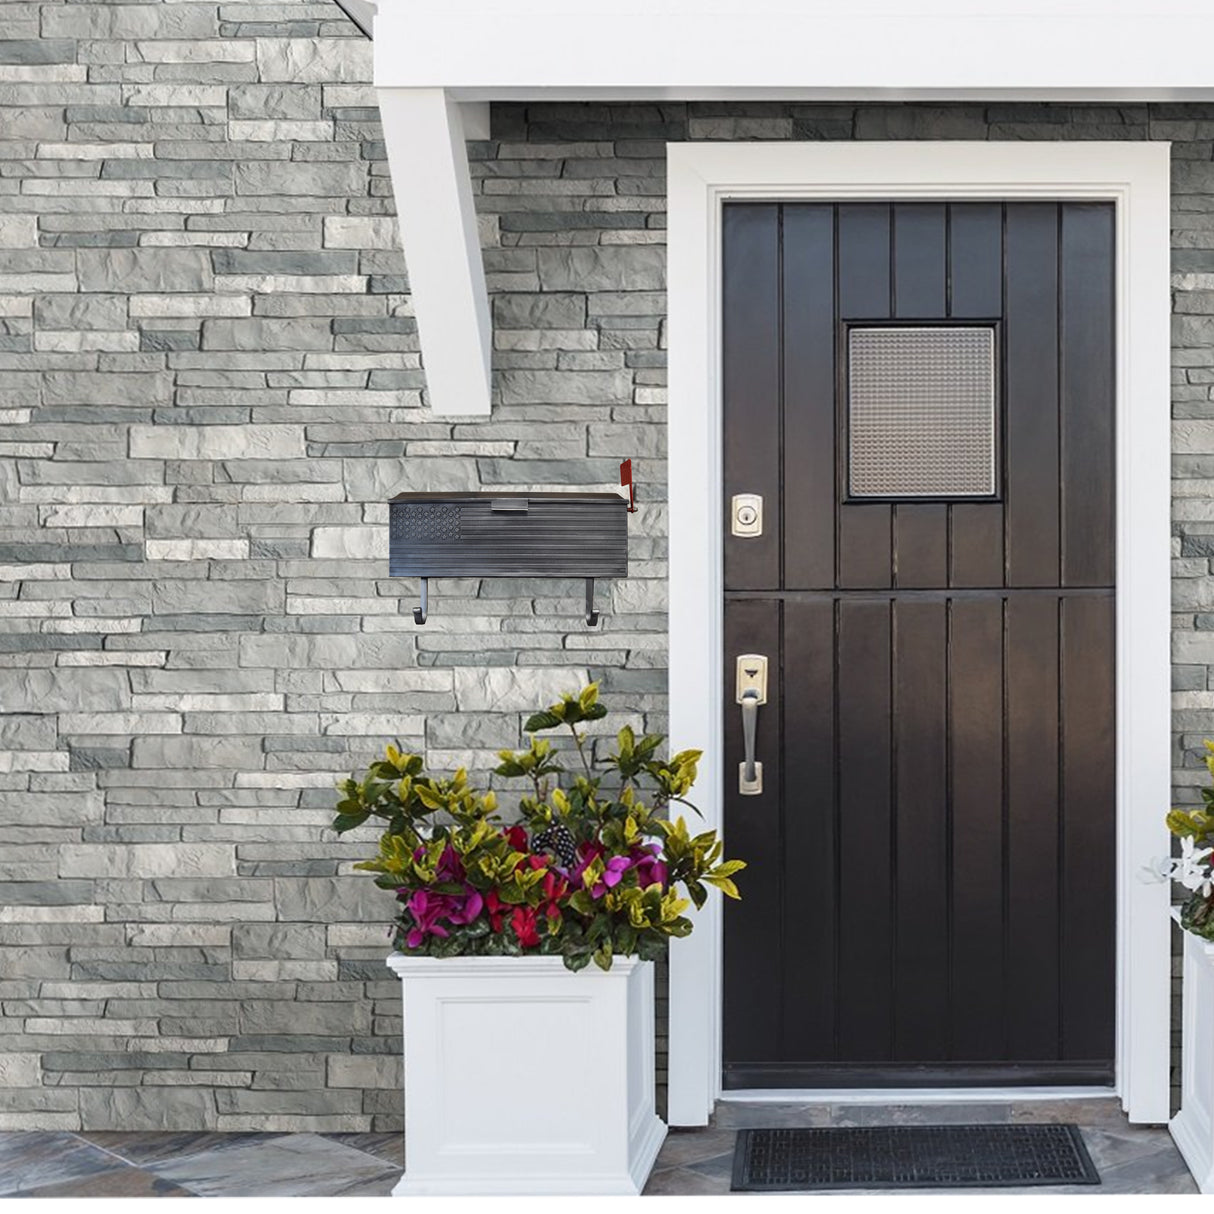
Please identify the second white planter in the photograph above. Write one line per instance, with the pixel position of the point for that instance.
(1193, 1126)
(522, 1077)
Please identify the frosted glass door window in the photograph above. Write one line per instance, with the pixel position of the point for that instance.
(921, 412)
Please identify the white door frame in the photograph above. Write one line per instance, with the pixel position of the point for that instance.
(1135, 176)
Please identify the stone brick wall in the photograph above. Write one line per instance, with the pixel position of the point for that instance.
(209, 385)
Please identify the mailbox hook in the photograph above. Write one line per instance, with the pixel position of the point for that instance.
(592, 616)
(419, 613)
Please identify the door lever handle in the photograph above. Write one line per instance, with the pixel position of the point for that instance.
(751, 692)
(750, 772)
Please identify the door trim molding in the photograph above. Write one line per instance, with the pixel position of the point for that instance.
(1134, 176)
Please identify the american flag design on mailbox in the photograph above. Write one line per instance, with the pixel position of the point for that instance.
(508, 535)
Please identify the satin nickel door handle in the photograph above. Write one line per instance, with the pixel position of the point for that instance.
(750, 771)
(751, 692)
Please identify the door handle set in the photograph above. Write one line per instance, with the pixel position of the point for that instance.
(751, 691)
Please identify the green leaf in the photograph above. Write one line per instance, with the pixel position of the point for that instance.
(602, 955)
(724, 884)
(541, 720)
(348, 821)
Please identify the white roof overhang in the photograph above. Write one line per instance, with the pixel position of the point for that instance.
(431, 55)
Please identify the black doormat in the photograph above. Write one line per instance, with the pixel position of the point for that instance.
(910, 1157)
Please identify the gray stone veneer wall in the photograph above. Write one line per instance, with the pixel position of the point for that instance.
(209, 385)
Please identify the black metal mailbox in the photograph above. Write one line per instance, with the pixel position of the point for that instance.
(508, 535)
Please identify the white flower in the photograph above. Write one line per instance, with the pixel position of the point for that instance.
(1193, 869)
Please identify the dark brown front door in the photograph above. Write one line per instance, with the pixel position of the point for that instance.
(922, 396)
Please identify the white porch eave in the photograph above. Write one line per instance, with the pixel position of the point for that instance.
(430, 53)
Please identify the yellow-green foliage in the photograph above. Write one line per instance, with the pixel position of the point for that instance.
(468, 883)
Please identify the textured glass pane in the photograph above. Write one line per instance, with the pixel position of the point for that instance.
(921, 412)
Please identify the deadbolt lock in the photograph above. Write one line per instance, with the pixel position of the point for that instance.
(747, 514)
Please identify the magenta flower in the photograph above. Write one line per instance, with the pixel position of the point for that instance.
(473, 904)
(427, 909)
(431, 910)
(613, 871)
(617, 866)
(650, 869)
(449, 866)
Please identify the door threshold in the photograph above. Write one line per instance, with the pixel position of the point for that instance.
(910, 1095)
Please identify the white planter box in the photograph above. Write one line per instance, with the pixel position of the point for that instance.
(1193, 1126)
(521, 1077)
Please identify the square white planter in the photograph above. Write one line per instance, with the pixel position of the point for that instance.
(1193, 1126)
(521, 1077)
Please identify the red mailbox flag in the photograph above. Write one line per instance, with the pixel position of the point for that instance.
(626, 479)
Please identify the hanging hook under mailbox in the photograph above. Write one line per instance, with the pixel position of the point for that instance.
(592, 616)
(419, 613)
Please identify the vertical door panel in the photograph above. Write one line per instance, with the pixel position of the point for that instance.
(921, 846)
(1031, 335)
(808, 695)
(920, 545)
(920, 261)
(1088, 907)
(976, 545)
(864, 261)
(751, 375)
(1031, 929)
(809, 397)
(865, 546)
(976, 763)
(865, 830)
(1086, 338)
(975, 231)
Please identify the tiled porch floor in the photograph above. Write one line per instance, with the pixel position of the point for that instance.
(1131, 1159)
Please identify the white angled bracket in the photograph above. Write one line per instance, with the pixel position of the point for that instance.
(424, 133)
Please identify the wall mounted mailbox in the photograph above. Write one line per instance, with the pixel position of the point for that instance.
(508, 535)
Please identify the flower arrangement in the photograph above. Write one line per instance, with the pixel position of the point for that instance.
(1193, 868)
(586, 872)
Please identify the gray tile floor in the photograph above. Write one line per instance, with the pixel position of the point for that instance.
(1131, 1159)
